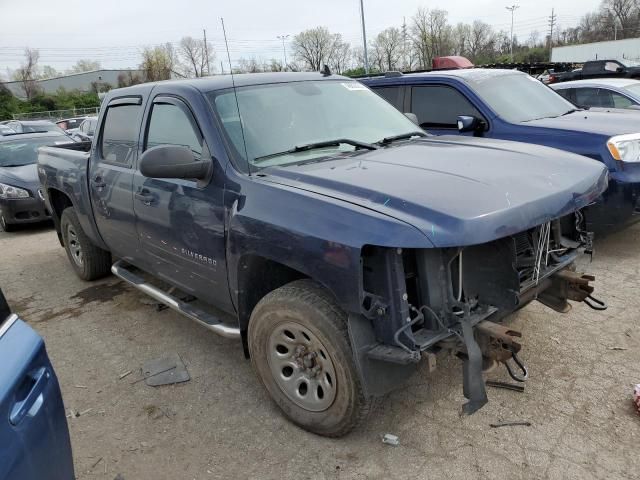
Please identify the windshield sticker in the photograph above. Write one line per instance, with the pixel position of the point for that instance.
(354, 86)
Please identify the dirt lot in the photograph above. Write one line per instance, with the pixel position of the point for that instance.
(221, 424)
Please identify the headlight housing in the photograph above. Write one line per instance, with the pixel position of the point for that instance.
(625, 148)
(9, 191)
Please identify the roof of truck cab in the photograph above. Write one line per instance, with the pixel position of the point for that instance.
(597, 82)
(220, 82)
(462, 73)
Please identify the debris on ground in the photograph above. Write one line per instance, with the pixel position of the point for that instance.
(122, 375)
(164, 371)
(636, 397)
(505, 385)
(390, 439)
(510, 424)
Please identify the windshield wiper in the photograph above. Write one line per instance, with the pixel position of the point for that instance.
(316, 145)
(573, 110)
(403, 136)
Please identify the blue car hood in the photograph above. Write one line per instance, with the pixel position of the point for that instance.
(599, 122)
(25, 176)
(458, 191)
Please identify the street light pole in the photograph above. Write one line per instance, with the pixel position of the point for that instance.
(364, 38)
(284, 49)
(512, 9)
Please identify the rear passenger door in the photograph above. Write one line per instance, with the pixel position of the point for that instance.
(438, 107)
(34, 437)
(111, 175)
(180, 222)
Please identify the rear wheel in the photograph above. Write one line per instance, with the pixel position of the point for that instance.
(89, 261)
(299, 347)
(7, 227)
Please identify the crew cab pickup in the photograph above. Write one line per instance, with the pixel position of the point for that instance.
(600, 69)
(337, 240)
(510, 105)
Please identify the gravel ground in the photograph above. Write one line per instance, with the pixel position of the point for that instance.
(221, 424)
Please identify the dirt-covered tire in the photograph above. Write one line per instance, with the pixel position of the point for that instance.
(298, 336)
(88, 261)
(4, 226)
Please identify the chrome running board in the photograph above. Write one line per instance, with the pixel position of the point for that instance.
(205, 319)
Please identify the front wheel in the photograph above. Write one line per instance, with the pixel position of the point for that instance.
(299, 346)
(6, 227)
(89, 261)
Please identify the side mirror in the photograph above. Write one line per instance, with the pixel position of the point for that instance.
(620, 69)
(413, 117)
(469, 124)
(172, 161)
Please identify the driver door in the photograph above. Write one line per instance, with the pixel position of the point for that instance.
(180, 222)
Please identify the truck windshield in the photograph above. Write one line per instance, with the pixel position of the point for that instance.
(277, 118)
(16, 153)
(517, 97)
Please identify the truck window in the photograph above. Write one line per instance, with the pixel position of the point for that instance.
(440, 106)
(172, 125)
(591, 67)
(593, 97)
(620, 101)
(568, 93)
(120, 134)
(393, 95)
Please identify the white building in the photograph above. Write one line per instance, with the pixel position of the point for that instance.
(628, 49)
(77, 81)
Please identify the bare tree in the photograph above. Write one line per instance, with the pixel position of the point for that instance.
(48, 72)
(481, 41)
(432, 35)
(28, 73)
(160, 63)
(625, 12)
(196, 56)
(341, 55)
(316, 47)
(245, 65)
(461, 37)
(387, 49)
(84, 65)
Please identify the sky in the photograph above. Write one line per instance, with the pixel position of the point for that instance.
(115, 32)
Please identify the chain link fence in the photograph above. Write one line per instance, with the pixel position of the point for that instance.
(55, 115)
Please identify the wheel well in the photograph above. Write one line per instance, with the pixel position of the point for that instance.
(257, 276)
(59, 201)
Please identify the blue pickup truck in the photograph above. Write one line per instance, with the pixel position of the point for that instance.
(318, 225)
(510, 105)
(34, 437)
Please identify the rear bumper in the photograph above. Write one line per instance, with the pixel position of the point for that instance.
(24, 210)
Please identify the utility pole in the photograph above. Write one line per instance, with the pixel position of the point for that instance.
(552, 23)
(364, 38)
(284, 49)
(221, 67)
(512, 9)
(206, 50)
(404, 44)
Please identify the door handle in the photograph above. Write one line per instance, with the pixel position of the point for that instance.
(145, 197)
(98, 182)
(22, 407)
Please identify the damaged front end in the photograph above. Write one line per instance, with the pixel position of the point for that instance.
(419, 302)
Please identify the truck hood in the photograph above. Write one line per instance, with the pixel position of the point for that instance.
(458, 191)
(24, 176)
(599, 122)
